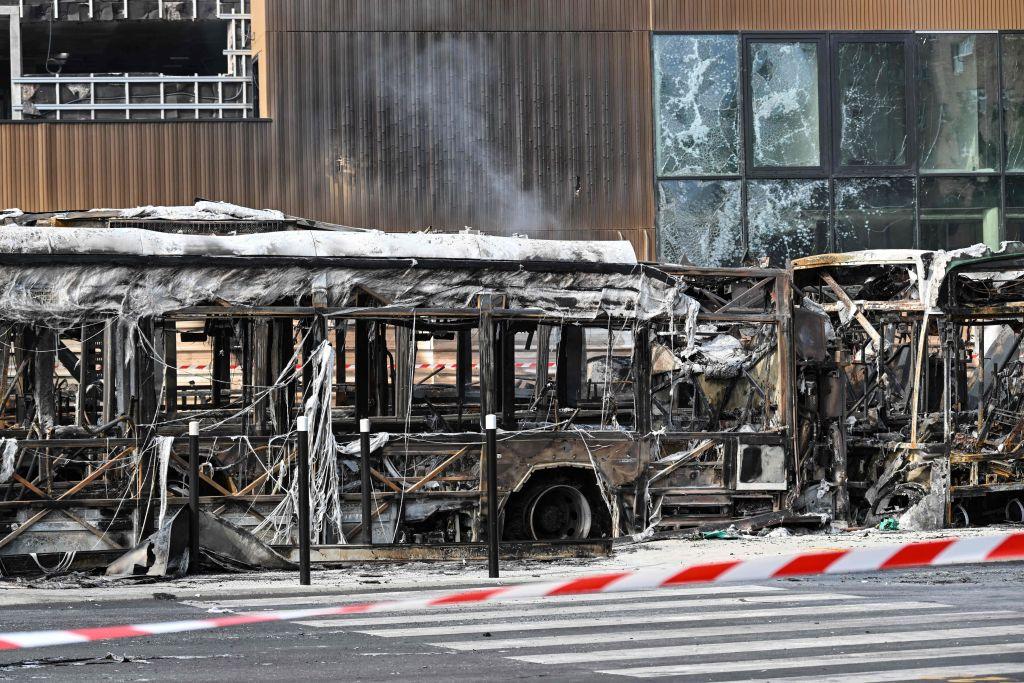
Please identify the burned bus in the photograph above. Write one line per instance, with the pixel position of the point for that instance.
(629, 395)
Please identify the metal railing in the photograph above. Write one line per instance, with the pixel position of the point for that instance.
(168, 94)
(223, 10)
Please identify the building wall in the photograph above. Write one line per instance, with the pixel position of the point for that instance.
(837, 15)
(539, 132)
(399, 116)
(56, 166)
(532, 117)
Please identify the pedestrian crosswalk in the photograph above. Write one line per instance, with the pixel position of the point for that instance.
(706, 633)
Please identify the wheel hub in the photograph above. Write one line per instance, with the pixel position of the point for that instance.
(559, 512)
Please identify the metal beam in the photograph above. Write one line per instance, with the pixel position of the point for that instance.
(13, 15)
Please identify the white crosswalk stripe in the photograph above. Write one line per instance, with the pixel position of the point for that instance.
(773, 644)
(616, 621)
(815, 662)
(769, 628)
(942, 673)
(699, 632)
(354, 598)
(510, 617)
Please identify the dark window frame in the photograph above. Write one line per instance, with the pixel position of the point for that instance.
(824, 107)
(910, 69)
(1004, 141)
(1000, 103)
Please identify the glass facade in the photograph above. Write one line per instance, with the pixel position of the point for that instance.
(697, 105)
(784, 145)
(1015, 208)
(872, 104)
(784, 104)
(874, 213)
(788, 218)
(1013, 100)
(958, 212)
(958, 102)
(701, 220)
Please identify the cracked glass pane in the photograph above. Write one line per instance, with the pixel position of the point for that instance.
(695, 83)
(784, 104)
(787, 218)
(959, 212)
(958, 108)
(1015, 208)
(874, 213)
(1013, 82)
(872, 104)
(700, 220)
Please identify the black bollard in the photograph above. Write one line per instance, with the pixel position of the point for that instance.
(193, 497)
(491, 425)
(300, 426)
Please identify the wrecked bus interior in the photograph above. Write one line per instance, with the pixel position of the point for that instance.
(915, 410)
(629, 395)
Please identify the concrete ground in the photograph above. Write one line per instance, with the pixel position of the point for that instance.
(962, 623)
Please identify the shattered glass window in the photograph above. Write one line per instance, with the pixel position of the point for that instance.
(1013, 95)
(958, 108)
(785, 117)
(700, 220)
(787, 218)
(695, 83)
(872, 104)
(874, 213)
(1015, 208)
(959, 212)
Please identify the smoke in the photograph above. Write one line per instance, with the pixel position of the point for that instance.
(447, 95)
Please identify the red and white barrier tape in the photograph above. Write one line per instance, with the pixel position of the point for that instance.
(926, 554)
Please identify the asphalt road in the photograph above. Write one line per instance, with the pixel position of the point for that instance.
(964, 624)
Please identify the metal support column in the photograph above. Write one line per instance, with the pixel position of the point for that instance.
(13, 15)
(642, 399)
(364, 373)
(463, 368)
(488, 366)
(366, 527)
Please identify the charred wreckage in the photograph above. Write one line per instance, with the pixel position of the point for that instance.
(630, 396)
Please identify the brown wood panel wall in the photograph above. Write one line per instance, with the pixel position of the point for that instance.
(56, 166)
(538, 132)
(837, 15)
(458, 15)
